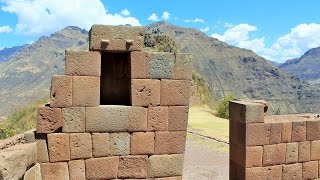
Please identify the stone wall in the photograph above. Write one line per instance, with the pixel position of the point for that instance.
(272, 147)
(80, 136)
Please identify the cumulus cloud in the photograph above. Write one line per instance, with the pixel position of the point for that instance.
(5, 29)
(153, 17)
(205, 29)
(37, 17)
(165, 15)
(292, 45)
(125, 12)
(196, 20)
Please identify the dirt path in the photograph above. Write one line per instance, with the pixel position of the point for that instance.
(204, 163)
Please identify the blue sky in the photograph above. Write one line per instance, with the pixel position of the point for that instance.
(275, 29)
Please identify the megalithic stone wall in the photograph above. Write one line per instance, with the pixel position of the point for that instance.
(272, 147)
(78, 138)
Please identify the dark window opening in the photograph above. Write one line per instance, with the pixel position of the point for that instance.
(115, 79)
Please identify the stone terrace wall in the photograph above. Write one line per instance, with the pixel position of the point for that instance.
(78, 138)
(272, 147)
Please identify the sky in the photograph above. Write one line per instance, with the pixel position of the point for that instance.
(275, 29)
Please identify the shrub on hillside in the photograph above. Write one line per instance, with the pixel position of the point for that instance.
(223, 106)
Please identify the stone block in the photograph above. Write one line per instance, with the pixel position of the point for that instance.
(116, 119)
(83, 63)
(74, 119)
(304, 151)
(286, 132)
(100, 144)
(237, 153)
(133, 167)
(119, 144)
(116, 38)
(34, 173)
(158, 118)
(59, 147)
(42, 151)
(236, 171)
(257, 134)
(61, 91)
(86, 91)
(54, 171)
(275, 133)
(145, 92)
(175, 92)
(161, 65)
(170, 142)
(274, 154)
(165, 165)
(292, 171)
(102, 168)
(315, 150)
(299, 131)
(178, 118)
(264, 173)
(49, 119)
(237, 132)
(182, 69)
(170, 178)
(142, 143)
(313, 130)
(139, 65)
(80, 145)
(292, 153)
(254, 156)
(29, 136)
(77, 170)
(310, 170)
(246, 112)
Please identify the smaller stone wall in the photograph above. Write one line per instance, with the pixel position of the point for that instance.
(272, 147)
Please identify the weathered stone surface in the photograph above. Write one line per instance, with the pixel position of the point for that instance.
(304, 151)
(246, 112)
(54, 171)
(257, 134)
(299, 131)
(274, 154)
(61, 91)
(102, 168)
(313, 130)
(59, 147)
(170, 142)
(238, 154)
(15, 160)
(175, 92)
(170, 178)
(100, 144)
(116, 38)
(145, 92)
(315, 150)
(29, 136)
(139, 65)
(119, 144)
(292, 153)
(74, 119)
(112, 118)
(133, 167)
(275, 133)
(42, 151)
(86, 91)
(254, 156)
(83, 63)
(178, 118)
(264, 173)
(158, 118)
(292, 171)
(34, 173)
(161, 65)
(49, 119)
(142, 143)
(286, 132)
(310, 170)
(77, 170)
(80, 145)
(182, 69)
(165, 165)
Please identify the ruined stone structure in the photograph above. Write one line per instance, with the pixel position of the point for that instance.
(272, 147)
(118, 112)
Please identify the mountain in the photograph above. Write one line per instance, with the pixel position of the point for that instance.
(231, 69)
(6, 53)
(275, 63)
(25, 77)
(306, 67)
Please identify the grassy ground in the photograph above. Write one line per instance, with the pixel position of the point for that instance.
(202, 121)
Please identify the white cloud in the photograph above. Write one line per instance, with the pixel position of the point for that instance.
(5, 29)
(196, 20)
(205, 29)
(125, 12)
(153, 17)
(165, 15)
(292, 45)
(38, 17)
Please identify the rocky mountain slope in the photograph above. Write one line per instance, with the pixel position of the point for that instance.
(7, 53)
(227, 69)
(306, 67)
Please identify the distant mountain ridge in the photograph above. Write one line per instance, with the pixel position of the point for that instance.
(6, 53)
